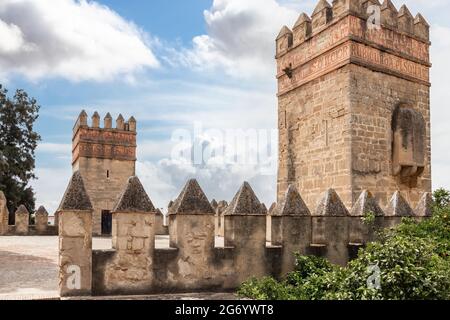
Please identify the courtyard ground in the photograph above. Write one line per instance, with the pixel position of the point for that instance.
(29, 269)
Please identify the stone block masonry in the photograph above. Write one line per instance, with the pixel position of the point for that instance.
(106, 158)
(194, 262)
(22, 226)
(4, 214)
(75, 240)
(354, 103)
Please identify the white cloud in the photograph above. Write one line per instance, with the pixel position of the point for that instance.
(440, 113)
(73, 39)
(241, 38)
(50, 186)
(165, 179)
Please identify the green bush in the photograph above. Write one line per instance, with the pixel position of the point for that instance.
(413, 260)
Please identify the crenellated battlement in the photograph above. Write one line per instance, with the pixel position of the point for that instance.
(94, 141)
(22, 225)
(121, 124)
(195, 260)
(349, 31)
(326, 16)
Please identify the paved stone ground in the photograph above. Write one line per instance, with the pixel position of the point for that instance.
(29, 269)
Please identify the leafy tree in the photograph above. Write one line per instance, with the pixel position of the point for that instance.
(18, 142)
(413, 260)
(441, 198)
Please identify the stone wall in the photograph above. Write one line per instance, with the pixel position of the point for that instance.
(194, 261)
(22, 226)
(4, 214)
(341, 81)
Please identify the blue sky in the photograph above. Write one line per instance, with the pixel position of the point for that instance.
(171, 64)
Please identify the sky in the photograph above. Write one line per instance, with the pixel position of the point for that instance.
(191, 72)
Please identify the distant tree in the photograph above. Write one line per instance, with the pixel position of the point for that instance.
(441, 197)
(18, 142)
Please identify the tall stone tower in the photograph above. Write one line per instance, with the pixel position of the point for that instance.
(106, 159)
(354, 102)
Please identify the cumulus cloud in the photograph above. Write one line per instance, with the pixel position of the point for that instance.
(440, 113)
(73, 39)
(241, 37)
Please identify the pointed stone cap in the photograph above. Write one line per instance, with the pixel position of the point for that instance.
(245, 202)
(404, 11)
(108, 116)
(222, 204)
(83, 114)
(303, 18)
(331, 205)
(75, 197)
(214, 204)
(366, 203)
(2, 196)
(398, 207)
(82, 118)
(134, 198)
(120, 117)
(284, 31)
(42, 211)
(292, 204)
(388, 5)
(419, 19)
(323, 4)
(132, 119)
(264, 208)
(95, 115)
(425, 206)
(192, 200)
(272, 208)
(22, 210)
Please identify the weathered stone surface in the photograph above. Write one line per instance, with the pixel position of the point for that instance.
(41, 219)
(409, 130)
(214, 204)
(95, 120)
(328, 134)
(398, 207)
(42, 211)
(323, 4)
(75, 197)
(425, 206)
(108, 121)
(192, 200)
(75, 253)
(22, 217)
(284, 31)
(106, 158)
(134, 198)
(22, 210)
(366, 204)
(291, 204)
(264, 208)
(245, 202)
(4, 214)
(272, 208)
(331, 206)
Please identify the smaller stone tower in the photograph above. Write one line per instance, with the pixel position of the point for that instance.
(105, 158)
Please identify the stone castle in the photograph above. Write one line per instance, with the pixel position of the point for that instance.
(354, 123)
(354, 102)
(106, 158)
